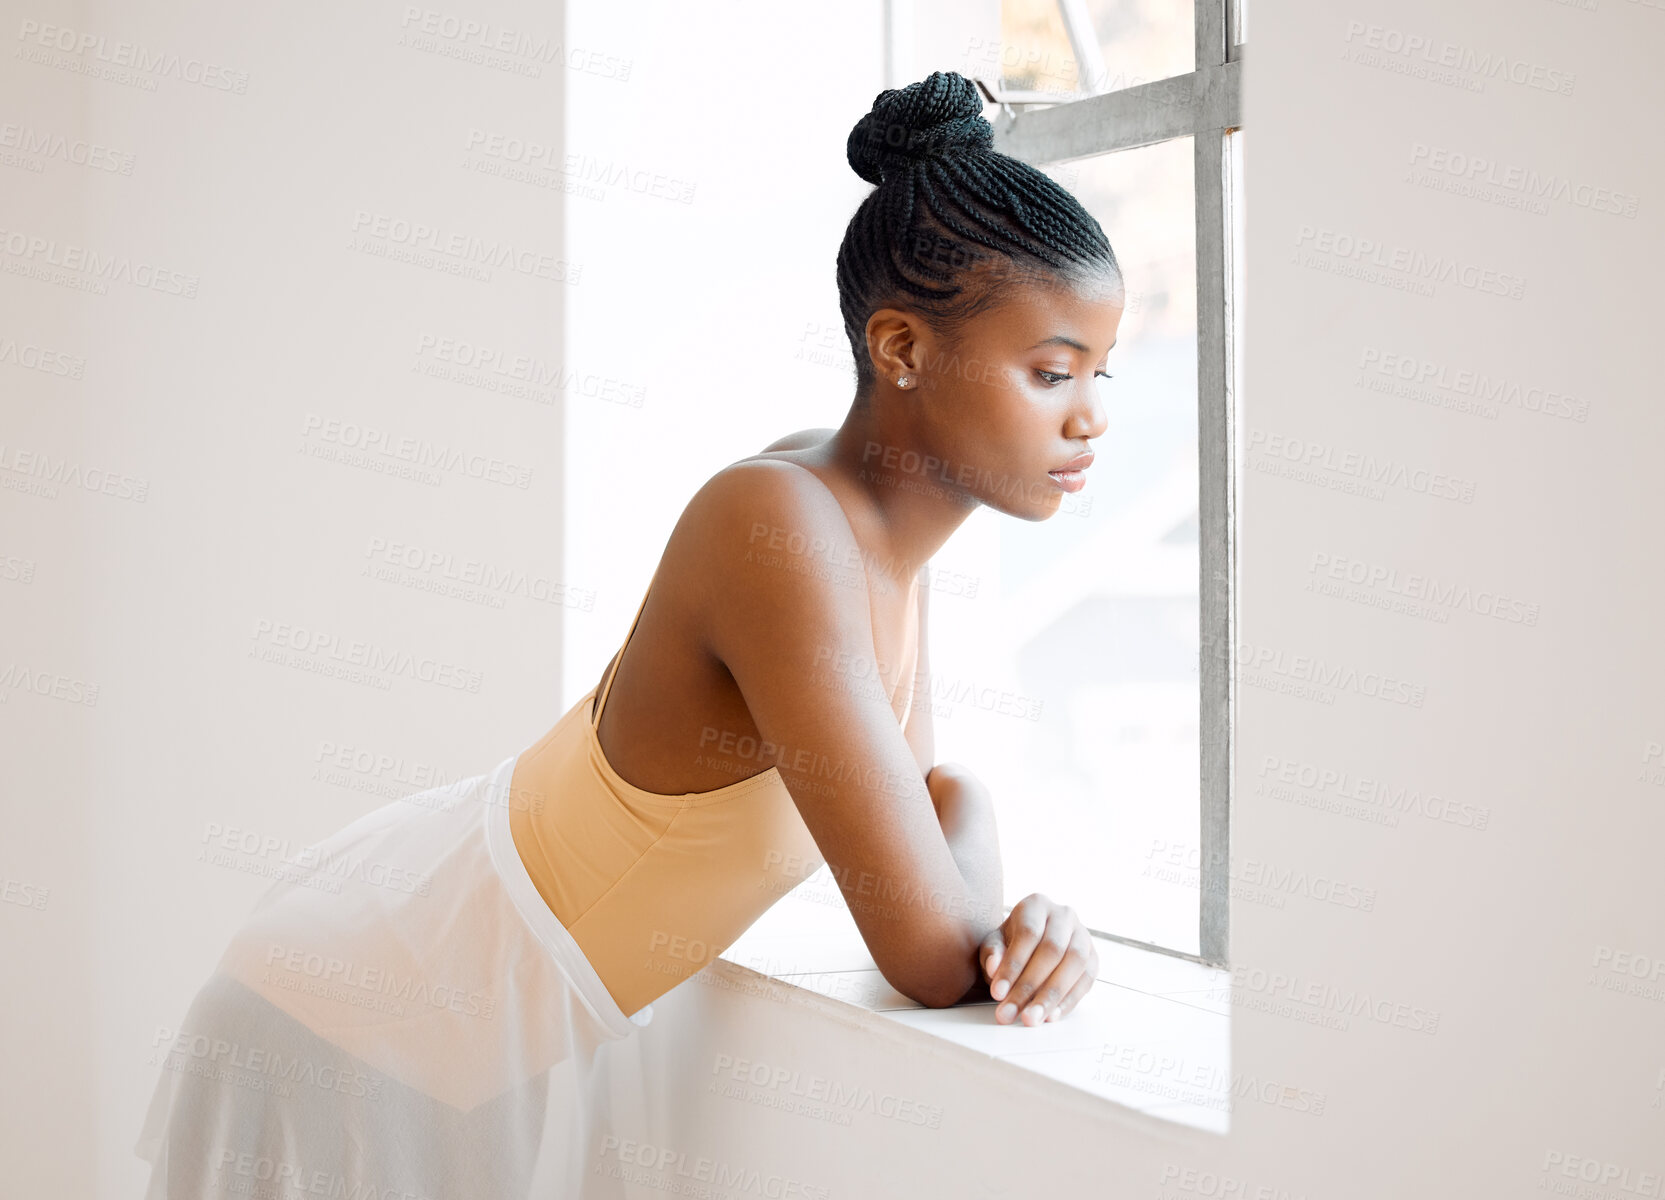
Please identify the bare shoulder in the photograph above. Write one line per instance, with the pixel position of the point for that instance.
(772, 565)
(765, 512)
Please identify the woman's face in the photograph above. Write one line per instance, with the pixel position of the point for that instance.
(1015, 398)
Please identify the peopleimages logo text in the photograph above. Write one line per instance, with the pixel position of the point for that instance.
(1435, 268)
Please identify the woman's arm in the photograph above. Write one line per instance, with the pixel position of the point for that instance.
(798, 641)
(797, 638)
(965, 810)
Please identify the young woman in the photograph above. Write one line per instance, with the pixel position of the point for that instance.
(426, 1006)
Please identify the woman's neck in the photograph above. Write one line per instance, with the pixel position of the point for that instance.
(912, 495)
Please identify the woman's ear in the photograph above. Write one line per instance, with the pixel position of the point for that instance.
(892, 343)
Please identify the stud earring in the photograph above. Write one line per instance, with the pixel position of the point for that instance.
(903, 381)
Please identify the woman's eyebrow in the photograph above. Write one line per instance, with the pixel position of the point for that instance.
(1060, 339)
(1057, 339)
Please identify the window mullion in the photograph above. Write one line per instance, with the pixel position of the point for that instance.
(1214, 523)
(1182, 106)
(1211, 33)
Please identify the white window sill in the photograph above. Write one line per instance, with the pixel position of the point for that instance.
(1152, 1035)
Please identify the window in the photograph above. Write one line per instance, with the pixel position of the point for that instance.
(1113, 620)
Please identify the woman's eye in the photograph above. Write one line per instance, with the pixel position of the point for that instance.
(1056, 377)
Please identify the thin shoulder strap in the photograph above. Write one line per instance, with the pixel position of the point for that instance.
(595, 720)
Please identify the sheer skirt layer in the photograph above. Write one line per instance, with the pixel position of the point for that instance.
(401, 1016)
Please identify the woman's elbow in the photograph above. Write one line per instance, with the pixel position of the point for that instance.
(941, 988)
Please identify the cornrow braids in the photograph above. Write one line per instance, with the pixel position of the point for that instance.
(951, 221)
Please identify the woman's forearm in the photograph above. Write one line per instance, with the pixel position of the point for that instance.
(965, 810)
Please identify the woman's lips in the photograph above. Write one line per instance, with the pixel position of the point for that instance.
(1072, 475)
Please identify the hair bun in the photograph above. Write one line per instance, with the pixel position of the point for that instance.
(941, 115)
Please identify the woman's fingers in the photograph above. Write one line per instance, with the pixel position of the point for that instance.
(1079, 988)
(991, 951)
(1039, 962)
(1035, 991)
(1021, 932)
(1071, 997)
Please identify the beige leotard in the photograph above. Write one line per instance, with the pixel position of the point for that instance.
(652, 887)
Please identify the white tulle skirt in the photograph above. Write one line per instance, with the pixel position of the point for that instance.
(402, 1018)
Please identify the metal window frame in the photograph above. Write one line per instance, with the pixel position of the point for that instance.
(1205, 105)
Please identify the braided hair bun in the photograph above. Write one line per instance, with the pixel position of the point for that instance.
(951, 223)
(939, 116)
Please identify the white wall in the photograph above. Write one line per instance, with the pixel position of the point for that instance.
(1543, 725)
(270, 306)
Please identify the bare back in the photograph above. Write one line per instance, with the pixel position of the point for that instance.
(674, 701)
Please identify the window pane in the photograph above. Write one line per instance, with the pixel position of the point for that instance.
(1035, 54)
(1093, 613)
(1125, 43)
(1143, 40)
